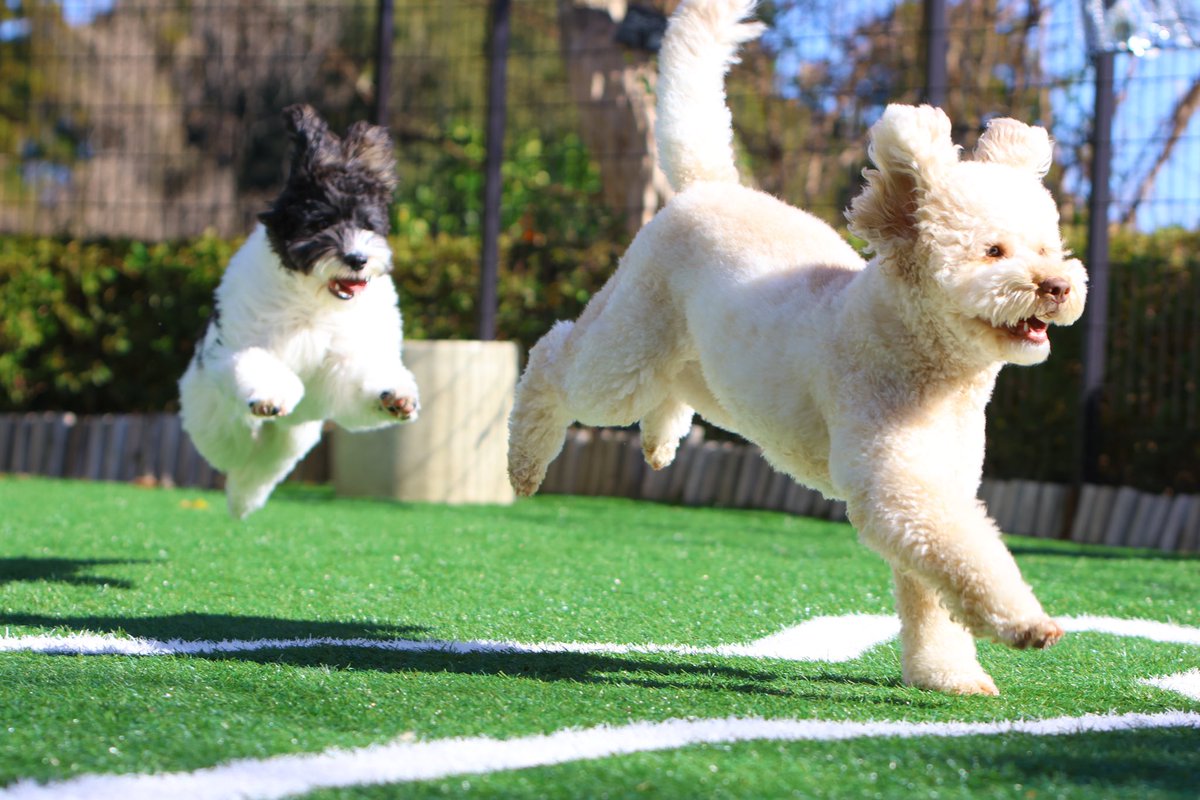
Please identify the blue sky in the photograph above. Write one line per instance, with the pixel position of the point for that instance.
(1148, 88)
(80, 12)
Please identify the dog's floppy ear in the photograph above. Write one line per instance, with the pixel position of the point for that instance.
(1015, 144)
(911, 149)
(914, 141)
(310, 135)
(370, 147)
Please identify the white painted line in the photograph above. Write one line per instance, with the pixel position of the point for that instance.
(834, 639)
(1185, 683)
(402, 762)
(842, 638)
(1140, 628)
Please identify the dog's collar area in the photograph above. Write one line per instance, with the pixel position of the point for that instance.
(347, 288)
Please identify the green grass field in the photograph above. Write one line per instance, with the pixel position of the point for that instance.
(157, 565)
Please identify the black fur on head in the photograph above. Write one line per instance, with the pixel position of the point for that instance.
(335, 187)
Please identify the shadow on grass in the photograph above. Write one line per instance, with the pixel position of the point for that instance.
(665, 673)
(815, 681)
(1113, 764)
(215, 627)
(63, 570)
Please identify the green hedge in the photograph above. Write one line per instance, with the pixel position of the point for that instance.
(110, 326)
(100, 326)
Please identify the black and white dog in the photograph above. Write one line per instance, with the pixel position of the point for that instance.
(306, 325)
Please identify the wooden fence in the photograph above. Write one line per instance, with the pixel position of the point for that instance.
(609, 462)
(150, 449)
(154, 450)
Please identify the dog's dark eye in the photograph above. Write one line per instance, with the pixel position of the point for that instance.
(995, 251)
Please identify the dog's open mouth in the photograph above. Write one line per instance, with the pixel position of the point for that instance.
(1031, 329)
(346, 288)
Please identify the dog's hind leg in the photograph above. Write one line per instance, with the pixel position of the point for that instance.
(936, 652)
(539, 419)
(276, 450)
(662, 429)
(611, 367)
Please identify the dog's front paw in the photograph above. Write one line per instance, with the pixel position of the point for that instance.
(268, 409)
(402, 407)
(660, 455)
(268, 388)
(1038, 635)
(966, 682)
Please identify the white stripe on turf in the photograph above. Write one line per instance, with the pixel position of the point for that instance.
(1141, 628)
(1185, 683)
(401, 762)
(842, 638)
(835, 639)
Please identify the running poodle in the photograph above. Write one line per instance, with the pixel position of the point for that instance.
(866, 381)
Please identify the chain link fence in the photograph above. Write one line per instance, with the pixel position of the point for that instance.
(159, 120)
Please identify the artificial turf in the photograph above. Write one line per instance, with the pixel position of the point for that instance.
(166, 564)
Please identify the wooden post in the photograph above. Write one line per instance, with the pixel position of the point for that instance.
(457, 450)
(1095, 319)
(384, 33)
(496, 122)
(936, 46)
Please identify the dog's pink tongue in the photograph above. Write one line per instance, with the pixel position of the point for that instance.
(1032, 329)
(343, 287)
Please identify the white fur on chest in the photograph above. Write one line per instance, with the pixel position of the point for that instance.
(294, 317)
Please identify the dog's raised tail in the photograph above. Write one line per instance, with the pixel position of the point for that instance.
(694, 129)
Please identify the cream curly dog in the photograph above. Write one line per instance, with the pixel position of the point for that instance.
(866, 381)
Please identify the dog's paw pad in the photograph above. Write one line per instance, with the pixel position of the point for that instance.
(524, 487)
(965, 685)
(266, 408)
(1039, 635)
(402, 407)
(659, 456)
(525, 479)
(983, 685)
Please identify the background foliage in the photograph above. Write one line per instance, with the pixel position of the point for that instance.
(109, 326)
(154, 121)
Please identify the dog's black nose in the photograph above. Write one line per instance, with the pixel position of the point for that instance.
(355, 261)
(1056, 288)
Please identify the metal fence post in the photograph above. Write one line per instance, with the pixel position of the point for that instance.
(496, 113)
(384, 36)
(1096, 316)
(936, 47)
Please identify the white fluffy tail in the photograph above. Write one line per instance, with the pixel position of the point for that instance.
(694, 129)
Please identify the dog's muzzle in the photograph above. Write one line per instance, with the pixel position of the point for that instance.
(1051, 293)
(347, 288)
(1031, 329)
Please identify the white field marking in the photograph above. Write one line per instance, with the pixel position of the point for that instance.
(832, 639)
(1185, 683)
(1140, 628)
(835, 639)
(403, 762)
(841, 638)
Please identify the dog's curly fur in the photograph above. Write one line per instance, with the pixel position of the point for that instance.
(867, 381)
(306, 325)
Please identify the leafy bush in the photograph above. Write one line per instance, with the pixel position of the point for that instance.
(110, 326)
(550, 184)
(100, 327)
